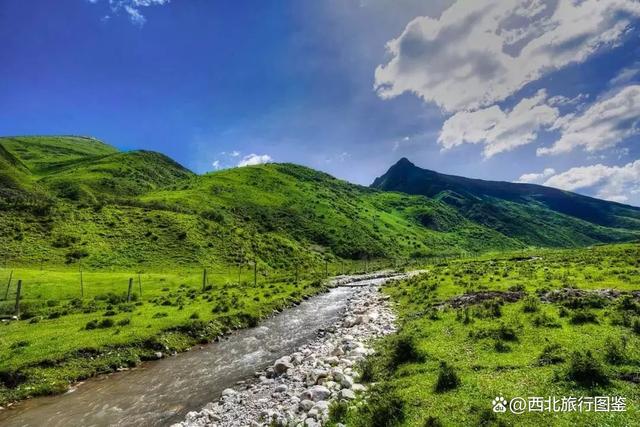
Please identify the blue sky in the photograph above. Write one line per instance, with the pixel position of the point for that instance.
(535, 91)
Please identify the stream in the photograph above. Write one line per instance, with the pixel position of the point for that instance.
(161, 392)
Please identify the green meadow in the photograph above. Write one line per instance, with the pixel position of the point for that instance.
(559, 323)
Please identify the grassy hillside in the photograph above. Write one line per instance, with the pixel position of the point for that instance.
(113, 209)
(45, 154)
(533, 214)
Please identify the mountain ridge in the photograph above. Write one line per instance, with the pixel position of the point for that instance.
(478, 199)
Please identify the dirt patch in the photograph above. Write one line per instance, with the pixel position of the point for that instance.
(473, 298)
(564, 294)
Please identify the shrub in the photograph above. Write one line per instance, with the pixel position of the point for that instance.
(403, 349)
(432, 421)
(544, 320)
(531, 304)
(501, 347)
(585, 370)
(502, 332)
(106, 323)
(580, 317)
(91, 324)
(338, 411)
(383, 409)
(447, 378)
(635, 325)
(124, 322)
(551, 354)
(614, 352)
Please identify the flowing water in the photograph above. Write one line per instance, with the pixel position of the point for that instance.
(161, 392)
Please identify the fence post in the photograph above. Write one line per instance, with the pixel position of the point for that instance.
(81, 283)
(6, 293)
(18, 290)
(129, 290)
(255, 273)
(139, 285)
(204, 279)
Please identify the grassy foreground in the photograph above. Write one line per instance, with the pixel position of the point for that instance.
(63, 337)
(454, 355)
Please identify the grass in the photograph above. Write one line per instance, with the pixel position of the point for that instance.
(63, 338)
(468, 360)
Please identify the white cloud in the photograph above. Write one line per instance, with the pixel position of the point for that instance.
(603, 125)
(616, 183)
(255, 159)
(499, 130)
(216, 164)
(132, 8)
(560, 100)
(234, 153)
(479, 52)
(530, 178)
(626, 75)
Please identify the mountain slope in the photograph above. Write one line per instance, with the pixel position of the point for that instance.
(141, 208)
(533, 214)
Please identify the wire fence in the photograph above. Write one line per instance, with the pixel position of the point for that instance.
(20, 285)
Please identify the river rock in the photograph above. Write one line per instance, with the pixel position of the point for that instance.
(347, 394)
(317, 392)
(282, 365)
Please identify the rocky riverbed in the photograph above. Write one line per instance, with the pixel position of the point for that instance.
(299, 388)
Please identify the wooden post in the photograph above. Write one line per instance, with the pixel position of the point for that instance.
(239, 272)
(81, 282)
(6, 293)
(139, 285)
(17, 308)
(204, 279)
(129, 290)
(255, 273)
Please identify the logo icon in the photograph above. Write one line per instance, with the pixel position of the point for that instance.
(499, 404)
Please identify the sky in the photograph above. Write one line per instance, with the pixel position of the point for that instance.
(537, 91)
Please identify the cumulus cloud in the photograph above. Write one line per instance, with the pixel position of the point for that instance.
(615, 183)
(603, 125)
(479, 52)
(255, 159)
(532, 178)
(499, 130)
(132, 8)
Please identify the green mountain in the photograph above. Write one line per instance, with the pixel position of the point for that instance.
(532, 214)
(70, 199)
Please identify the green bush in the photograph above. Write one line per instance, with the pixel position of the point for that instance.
(531, 304)
(447, 378)
(552, 354)
(585, 370)
(580, 317)
(382, 409)
(403, 349)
